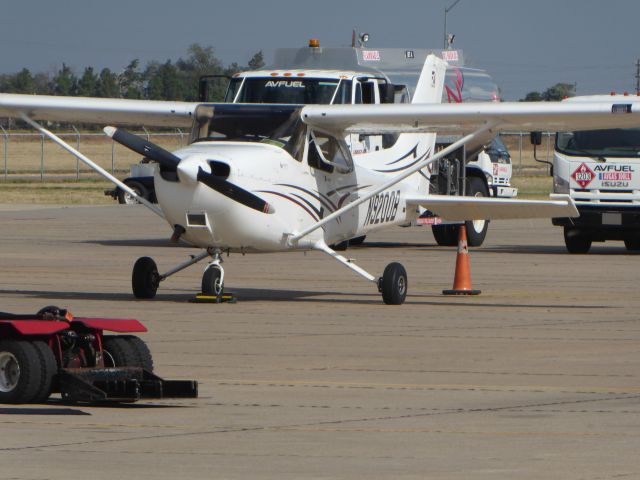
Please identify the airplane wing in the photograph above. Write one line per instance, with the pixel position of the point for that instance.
(456, 208)
(105, 111)
(467, 117)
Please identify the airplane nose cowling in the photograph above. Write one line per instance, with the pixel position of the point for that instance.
(214, 175)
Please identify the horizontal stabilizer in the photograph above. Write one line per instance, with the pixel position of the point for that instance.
(456, 208)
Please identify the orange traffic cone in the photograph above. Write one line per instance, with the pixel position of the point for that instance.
(462, 279)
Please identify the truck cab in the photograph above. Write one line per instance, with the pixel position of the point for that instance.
(600, 171)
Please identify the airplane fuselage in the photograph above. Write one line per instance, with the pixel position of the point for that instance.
(300, 194)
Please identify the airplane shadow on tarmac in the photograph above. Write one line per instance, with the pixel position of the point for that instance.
(300, 296)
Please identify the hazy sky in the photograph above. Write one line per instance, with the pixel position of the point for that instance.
(525, 45)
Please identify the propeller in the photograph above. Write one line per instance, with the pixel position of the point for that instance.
(169, 162)
(234, 192)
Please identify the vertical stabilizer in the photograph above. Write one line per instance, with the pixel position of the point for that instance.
(431, 81)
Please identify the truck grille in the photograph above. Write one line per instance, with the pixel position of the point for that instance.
(606, 196)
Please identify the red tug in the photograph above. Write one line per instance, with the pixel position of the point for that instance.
(52, 351)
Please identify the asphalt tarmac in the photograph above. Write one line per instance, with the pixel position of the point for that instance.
(309, 375)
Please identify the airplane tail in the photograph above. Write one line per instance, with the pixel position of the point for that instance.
(429, 89)
(431, 81)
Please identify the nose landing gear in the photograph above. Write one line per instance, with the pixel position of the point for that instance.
(145, 278)
(213, 277)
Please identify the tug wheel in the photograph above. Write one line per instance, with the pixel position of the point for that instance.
(393, 284)
(20, 372)
(118, 352)
(145, 278)
(141, 351)
(49, 368)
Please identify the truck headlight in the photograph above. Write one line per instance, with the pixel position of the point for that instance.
(560, 185)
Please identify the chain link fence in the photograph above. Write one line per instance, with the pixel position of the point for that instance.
(32, 156)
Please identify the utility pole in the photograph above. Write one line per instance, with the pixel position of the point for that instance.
(638, 77)
(447, 10)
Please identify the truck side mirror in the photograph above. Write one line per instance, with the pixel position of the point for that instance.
(536, 138)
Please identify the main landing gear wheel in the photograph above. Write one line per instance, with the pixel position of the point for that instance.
(145, 278)
(393, 284)
(212, 281)
(127, 199)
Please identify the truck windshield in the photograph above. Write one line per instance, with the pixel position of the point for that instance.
(288, 90)
(601, 143)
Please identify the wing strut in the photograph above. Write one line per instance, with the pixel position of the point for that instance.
(154, 208)
(451, 148)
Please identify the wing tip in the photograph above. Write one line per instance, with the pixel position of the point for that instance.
(110, 131)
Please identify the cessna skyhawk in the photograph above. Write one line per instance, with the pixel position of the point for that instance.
(272, 178)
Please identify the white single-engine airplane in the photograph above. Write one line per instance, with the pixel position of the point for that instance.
(269, 178)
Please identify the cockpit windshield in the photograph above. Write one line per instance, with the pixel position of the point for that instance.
(276, 125)
(289, 90)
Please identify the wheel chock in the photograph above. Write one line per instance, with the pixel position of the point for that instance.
(224, 298)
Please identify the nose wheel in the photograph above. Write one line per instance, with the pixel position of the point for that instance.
(213, 281)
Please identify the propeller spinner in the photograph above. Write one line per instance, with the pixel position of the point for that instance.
(169, 162)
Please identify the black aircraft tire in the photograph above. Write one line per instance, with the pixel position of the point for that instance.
(140, 189)
(20, 372)
(48, 367)
(145, 278)
(476, 230)
(211, 284)
(394, 284)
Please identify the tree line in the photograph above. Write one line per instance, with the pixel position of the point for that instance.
(156, 81)
(555, 93)
(167, 81)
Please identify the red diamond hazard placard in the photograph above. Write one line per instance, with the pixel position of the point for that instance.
(583, 175)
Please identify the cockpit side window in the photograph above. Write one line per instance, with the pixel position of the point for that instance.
(328, 153)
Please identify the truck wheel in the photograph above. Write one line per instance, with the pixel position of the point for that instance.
(127, 199)
(445, 235)
(575, 241)
(393, 284)
(118, 352)
(49, 368)
(145, 278)
(476, 229)
(141, 351)
(20, 372)
(632, 244)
